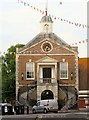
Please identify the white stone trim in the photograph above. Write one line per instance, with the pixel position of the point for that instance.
(62, 78)
(67, 84)
(76, 72)
(43, 54)
(40, 89)
(45, 29)
(83, 91)
(48, 64)
(25, 85)
(47, 60)
(33, 69)
(50, 45)
(83, 95)
(87, 107)
(17, 72)
(37, 44)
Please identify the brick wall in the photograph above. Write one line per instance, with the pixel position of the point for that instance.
(23, 59)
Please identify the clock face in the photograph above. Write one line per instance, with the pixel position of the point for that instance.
(47, 47)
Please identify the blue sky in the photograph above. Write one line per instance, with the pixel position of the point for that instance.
(19, 23)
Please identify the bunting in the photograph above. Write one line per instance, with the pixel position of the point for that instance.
(40, 51)
(54, 17)
(80, 42)
(33, 7)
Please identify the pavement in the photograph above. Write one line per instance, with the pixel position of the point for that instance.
(84, 109)
(81, 114)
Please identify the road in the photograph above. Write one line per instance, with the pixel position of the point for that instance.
(50, 116)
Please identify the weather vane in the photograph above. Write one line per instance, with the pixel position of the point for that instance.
(46, 9)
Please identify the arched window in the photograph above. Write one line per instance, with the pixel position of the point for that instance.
(46, 28)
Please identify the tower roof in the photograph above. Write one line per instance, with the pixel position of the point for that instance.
(46, 19)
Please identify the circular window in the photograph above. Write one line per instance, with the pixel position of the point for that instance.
(47, 47)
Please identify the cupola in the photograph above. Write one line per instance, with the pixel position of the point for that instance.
(46, 23)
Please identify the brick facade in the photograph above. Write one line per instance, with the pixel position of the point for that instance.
(47, 51)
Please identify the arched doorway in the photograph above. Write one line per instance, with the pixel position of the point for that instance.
(47, 94)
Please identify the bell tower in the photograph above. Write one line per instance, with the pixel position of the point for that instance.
(46, 22)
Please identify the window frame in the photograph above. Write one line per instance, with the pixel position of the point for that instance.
(60, 70)
(33, 71)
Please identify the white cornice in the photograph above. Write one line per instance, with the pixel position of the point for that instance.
(83, 95)
(47, 59)
(83, 91)
(44, 54)
(67, 84)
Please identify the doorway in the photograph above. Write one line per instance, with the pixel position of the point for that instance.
(47, 75)
(47, 94)
(46, 72)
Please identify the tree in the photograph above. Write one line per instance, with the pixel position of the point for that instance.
(8, 74)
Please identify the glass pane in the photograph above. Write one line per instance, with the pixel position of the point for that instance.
(30, 70)
(63, 70)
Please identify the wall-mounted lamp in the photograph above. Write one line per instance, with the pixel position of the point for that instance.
(22, 75)
(63, 60)
(30, 60)
(71, 75)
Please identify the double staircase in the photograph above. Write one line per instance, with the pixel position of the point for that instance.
(23, 98)
(70, 95)
(71, 100)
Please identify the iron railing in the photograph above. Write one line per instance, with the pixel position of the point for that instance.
(46, 80)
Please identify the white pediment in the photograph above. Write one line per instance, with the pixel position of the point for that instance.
(47, 60)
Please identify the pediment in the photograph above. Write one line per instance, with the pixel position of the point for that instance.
(58, 45)
(47, 60)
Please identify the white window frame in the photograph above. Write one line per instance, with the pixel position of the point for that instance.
(60, 70)
(33, 71)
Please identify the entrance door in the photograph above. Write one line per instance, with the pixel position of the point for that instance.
(46, 72)
(47, 75)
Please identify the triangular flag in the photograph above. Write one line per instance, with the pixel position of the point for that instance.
(24, 3)
(21, 1)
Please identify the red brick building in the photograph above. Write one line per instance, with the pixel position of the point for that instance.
(47, 68)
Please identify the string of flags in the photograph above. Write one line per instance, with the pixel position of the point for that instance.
(33, 7)
(80, 42)
(40, 51)
(54, 17)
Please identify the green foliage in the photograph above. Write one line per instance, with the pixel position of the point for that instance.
(8, 74)
(0, 78)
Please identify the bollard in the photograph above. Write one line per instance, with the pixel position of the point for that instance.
(17, 109)
(27, 109)
(22, 109)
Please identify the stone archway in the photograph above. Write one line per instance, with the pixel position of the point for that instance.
(47, 94)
